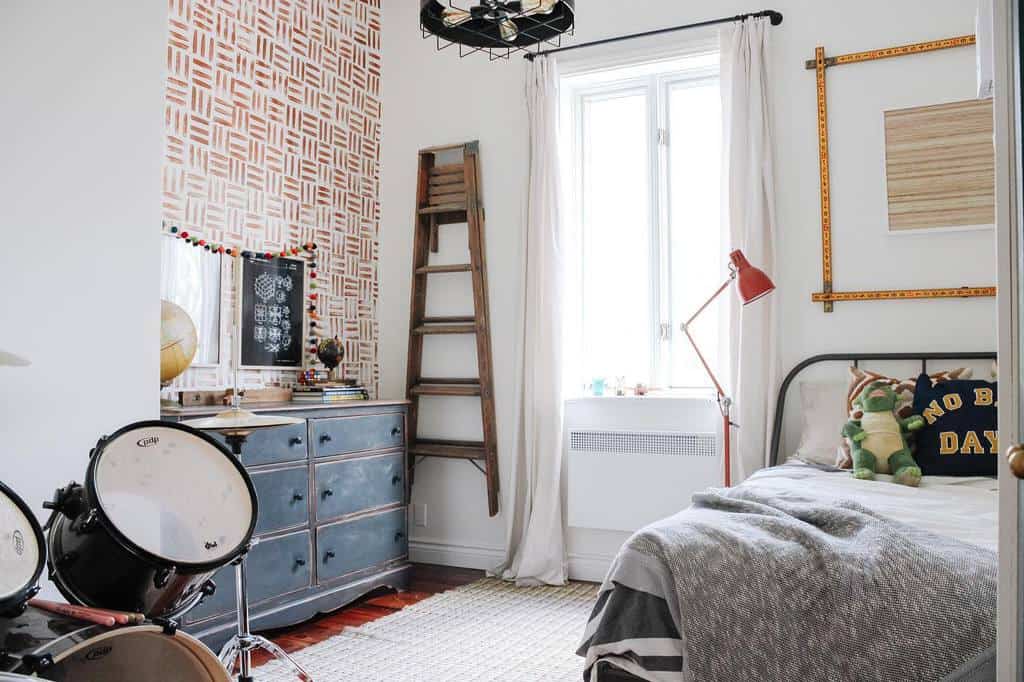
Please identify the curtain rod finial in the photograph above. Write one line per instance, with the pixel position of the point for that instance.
(775, 17)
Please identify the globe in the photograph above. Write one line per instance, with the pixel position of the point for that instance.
(178, 341)
(331, 353)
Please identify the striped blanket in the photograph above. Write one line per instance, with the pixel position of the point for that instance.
(755, 583)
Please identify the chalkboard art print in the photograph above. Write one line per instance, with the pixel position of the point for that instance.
(271, 312)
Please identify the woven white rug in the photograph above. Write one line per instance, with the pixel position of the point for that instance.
(487, 630)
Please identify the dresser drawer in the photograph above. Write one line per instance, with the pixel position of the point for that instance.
(278, 566)
(354, 545)
(355, 485)
(273, 567)
(353, 434)
(269, 446)
(220, 602)
(283, 498)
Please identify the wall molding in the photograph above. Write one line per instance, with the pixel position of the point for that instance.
(588, 567)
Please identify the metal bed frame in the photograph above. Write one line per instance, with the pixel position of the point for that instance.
(609, 673)
(856, 359)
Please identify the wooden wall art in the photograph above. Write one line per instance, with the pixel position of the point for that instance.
(828, 295)
(940, 167)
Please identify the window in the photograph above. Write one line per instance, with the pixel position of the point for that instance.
(642, 148)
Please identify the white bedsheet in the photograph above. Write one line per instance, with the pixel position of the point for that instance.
(964, 508)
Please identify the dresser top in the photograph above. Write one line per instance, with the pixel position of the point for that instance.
(209, 410)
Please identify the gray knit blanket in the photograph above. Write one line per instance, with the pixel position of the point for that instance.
(749, 584)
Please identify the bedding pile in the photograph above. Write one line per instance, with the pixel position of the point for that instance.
(787, 578)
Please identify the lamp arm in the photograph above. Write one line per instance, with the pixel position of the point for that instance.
(725, 285)
(685, 326)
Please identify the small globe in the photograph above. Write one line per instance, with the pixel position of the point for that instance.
(178, 341)
(330, 352)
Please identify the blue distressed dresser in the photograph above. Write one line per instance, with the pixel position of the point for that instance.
(332, 515)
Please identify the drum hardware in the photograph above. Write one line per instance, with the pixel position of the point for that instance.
(236, 425)
(36, 664)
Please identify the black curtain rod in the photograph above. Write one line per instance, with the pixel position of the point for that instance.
(775, 17)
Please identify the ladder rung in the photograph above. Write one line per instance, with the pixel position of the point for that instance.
(445, 329)
(449, 449)
(450, 169)
(427, 388)
(435, 269)
(448, 320)
(439, 182)
(443, 208)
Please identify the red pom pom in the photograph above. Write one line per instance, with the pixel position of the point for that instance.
(184, 235)
(312, 275)
(202, 242)
(268, 255)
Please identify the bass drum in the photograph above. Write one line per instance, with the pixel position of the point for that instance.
(163, 507)
(22, 553)
(65, 650)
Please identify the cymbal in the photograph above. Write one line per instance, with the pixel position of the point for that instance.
(237, 420)
(12, 360)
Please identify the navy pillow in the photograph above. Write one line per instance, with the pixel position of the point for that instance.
(960, 436)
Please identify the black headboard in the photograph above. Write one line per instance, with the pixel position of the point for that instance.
(855, 358)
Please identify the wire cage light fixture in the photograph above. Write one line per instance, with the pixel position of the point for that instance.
(498, 28)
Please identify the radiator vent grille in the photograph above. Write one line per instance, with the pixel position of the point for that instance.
(643, 443)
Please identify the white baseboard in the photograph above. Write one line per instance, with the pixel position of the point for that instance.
(588, 567)
(463, 556)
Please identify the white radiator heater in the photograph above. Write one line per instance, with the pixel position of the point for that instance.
(634, 461)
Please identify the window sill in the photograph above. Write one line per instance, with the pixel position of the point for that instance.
(702, 394)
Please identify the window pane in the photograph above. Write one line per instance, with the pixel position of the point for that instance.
(616, 243)
(694, 120)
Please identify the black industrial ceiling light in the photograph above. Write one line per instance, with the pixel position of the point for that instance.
(497, 27)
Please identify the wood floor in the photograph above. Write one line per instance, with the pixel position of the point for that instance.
(426, 580)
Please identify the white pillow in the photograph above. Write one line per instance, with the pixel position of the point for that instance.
(823, 411)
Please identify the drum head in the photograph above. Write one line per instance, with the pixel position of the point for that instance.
(22, 551)
(174, 493)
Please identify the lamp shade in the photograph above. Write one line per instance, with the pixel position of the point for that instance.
(751, 282)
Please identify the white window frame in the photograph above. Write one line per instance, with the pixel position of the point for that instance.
(657, 88)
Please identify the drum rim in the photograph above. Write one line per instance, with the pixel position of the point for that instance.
(89, 635)
(21, 596)
(144, 554)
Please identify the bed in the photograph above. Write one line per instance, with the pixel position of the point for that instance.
(803, 572)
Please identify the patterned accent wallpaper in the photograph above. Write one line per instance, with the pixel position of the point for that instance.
(273, 122)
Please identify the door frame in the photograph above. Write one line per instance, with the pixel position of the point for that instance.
(1007, 43)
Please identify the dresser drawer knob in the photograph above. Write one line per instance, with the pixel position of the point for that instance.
(295, 441)
(398, 536)
(396, 479)
(328, 555)
(298, 497)
(328, 493)
(325, 438)
(299, 563)
(397, 431)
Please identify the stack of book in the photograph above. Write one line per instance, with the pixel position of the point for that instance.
(328, 393)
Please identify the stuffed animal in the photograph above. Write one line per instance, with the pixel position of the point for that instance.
(878, 438)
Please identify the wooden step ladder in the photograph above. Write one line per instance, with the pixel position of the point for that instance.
(450, 194)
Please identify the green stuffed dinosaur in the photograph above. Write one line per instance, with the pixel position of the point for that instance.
(879, 437)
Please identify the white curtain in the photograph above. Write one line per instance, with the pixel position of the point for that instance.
(749, 205)
(535, 552)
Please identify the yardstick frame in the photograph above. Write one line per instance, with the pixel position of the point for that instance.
(828, 296)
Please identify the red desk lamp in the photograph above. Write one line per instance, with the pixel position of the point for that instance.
(752, 284)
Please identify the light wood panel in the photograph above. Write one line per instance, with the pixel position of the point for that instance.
(940, 166)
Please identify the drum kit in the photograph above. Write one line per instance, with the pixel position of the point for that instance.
(133, 540)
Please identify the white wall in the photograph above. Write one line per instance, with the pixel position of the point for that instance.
(81, 125)
(433, 98)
